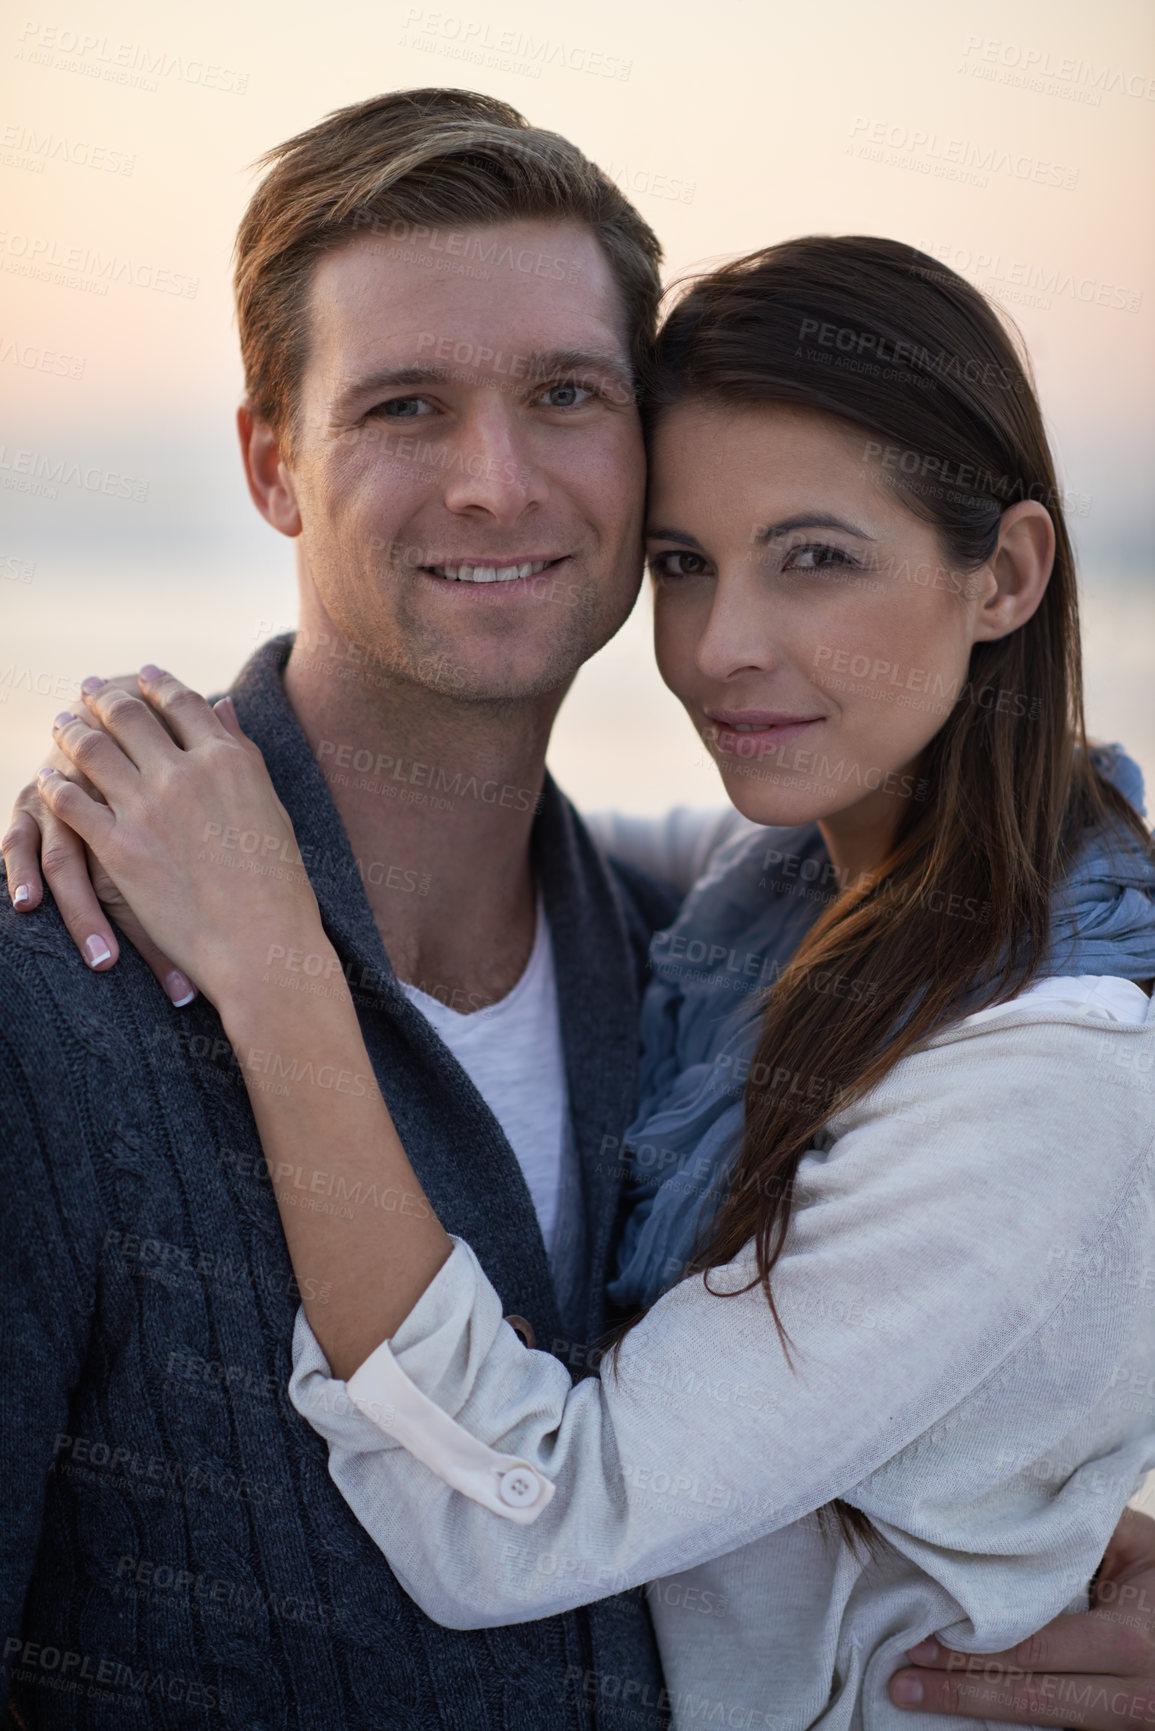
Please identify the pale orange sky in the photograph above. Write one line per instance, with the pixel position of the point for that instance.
(1013, 140)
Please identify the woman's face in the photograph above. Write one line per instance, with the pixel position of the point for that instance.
(803, 615)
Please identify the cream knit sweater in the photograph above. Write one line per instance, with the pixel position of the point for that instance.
(969, 1290)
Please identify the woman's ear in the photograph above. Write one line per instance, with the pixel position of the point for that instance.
(270, 482)
(1020, 568)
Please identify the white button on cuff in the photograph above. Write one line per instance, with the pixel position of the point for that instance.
(397, 1408)
(519, 1488)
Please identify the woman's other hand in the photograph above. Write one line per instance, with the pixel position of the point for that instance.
(1095, 1671)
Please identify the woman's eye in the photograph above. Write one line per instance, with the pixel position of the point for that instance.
(815, 556)
(401, 408)
(565, 396)
(677, 564)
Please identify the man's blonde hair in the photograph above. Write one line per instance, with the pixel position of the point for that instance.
(409, 162)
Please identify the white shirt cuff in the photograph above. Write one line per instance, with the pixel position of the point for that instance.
(506, 1484)
(431, 1339)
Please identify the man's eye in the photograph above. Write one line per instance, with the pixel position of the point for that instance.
(815, 556)
(569, 395)
(401, 408)
(677, 564)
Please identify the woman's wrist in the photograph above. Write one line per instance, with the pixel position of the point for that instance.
(281, 986)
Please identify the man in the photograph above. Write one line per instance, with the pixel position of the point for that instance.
(443, 314)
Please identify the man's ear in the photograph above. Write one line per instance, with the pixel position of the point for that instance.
(270, 482)
(1018, 570)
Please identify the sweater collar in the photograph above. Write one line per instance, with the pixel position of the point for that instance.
(598, 990)
(264, 711)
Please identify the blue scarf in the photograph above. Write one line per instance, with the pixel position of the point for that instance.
(738, 928)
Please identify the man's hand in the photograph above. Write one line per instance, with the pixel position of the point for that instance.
(38, 846)
(1095, 1672)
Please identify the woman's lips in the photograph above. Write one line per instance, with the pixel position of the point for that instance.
(756, 733)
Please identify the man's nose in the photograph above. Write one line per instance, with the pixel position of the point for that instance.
(492, 471)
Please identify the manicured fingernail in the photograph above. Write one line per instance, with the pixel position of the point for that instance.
(63, 718)
(91, 684)
(907, 1691)
(925, 1653)
(22, 894)
(149, 672)
(43, 775)
(180, 989)
(96, 950)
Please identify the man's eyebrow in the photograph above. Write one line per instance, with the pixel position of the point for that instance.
(529, 368)
(388, 378)
(545, 363)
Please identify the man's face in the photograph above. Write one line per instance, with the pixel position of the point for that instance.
(468, 467)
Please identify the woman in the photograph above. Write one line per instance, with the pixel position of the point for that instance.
(911, 1182)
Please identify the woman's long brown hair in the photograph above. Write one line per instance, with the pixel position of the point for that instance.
(885, 337)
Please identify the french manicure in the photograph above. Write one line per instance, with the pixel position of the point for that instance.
(180, 989)
(96, 950)
(907, 1691)
(91, 684)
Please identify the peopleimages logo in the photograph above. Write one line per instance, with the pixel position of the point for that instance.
(648, 182)
(84, 268)
(476, 40)
(136, 64)
(1033, 68)
(1033, 282)
(98, 1677)
(37, 472)
(928, 152)
(35, 359)
(24, 147)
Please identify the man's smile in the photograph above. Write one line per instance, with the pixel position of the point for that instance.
(483, 571)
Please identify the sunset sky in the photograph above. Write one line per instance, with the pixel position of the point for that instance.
(1013, 141)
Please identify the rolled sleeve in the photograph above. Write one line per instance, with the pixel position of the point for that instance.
(444, 1341)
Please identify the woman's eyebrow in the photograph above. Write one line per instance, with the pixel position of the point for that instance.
(771, 531)
(659, 534)
(808, 520)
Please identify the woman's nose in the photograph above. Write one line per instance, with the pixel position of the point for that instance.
(738, 637)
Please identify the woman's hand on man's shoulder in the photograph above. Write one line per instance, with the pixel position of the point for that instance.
(41, 851)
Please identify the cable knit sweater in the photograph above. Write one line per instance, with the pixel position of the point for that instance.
(172, 1549)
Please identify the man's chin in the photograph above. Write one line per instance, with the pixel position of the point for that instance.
(489, 672)
(498, 659)
(504, 685)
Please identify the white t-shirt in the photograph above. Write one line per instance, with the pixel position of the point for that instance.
(512, 1053)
